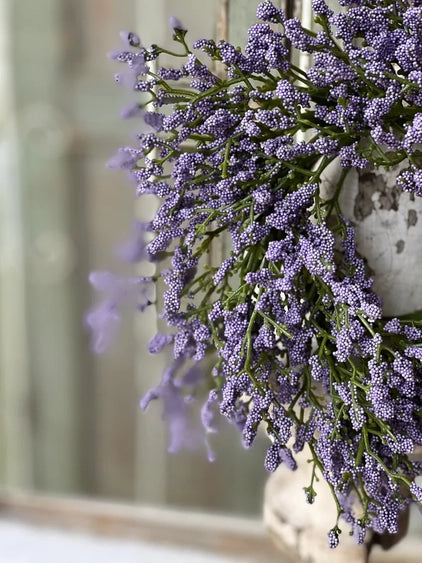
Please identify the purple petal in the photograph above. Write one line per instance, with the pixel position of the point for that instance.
(149, 396)
(124, 159)
(175, 23)
(208, 412)
(102, 280)
(158, 342)
(102, 321)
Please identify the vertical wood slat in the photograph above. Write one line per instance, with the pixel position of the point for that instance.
(106, 213)
(82, 421)
(15, 428)
(44, 130)
(151, 444)
(241, 15)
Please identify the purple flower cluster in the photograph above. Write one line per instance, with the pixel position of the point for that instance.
(288, 316)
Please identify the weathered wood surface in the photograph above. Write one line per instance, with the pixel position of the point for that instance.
(240, 538)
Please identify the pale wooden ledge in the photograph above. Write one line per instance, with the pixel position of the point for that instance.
(241, 538)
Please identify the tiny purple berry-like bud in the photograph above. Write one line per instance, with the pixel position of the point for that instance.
(416, 491)
(175, 23)
(333, 540)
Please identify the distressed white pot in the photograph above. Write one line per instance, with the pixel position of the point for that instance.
(388, 236)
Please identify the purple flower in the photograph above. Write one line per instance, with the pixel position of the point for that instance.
(416, 492)
(159, 341)
(207, 412)
(266, 11)
(102, 322)
(130, 38)
(125, 158)
(333, 539)
(176, 24)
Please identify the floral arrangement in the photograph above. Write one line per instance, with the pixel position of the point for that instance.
(285, 330)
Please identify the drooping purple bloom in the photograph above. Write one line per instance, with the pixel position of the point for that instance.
(176, 24)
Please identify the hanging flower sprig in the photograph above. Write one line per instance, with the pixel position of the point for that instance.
(287, 319)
